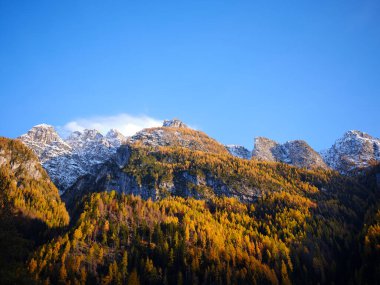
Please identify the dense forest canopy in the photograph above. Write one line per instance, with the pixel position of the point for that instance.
(298, 226)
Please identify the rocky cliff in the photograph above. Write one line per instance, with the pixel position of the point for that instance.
(354, 150)
(66, 160)
(297, 153)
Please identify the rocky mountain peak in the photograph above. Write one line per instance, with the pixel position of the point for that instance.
(297, 153)
(265, 149)
(176, 133)
(42, 133)
(45, 142)
(91, 135)
(78, 140)
(357, 134)
(66, 160)
(113, 133)
(175, 123)
(355, 149)
(115, 137)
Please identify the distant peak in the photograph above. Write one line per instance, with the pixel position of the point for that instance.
(91, 134)
(263, 140)
(175, 123)
(356, 133)
(86, 134)
(42, 133)
(297, 142)
(90, 131)
(115, 134)
(41, 130)
(233, 145)
(43, 126)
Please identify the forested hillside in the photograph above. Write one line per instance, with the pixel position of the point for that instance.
(281, 238)
(30, 208)
(297, 226)
(189, 217)
(160, 172)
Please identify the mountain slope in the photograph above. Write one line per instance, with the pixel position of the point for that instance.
(78, 155)
(30, 209)
(26, 187)
(250, 222)
(294, 234)
(297, 153)
(172, 171)
(355, 150)
(176, 133)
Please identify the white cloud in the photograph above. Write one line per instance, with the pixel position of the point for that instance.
(125, 123)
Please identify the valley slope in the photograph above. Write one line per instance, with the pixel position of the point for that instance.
(30, 209)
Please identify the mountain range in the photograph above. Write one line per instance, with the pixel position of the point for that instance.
(171, 205)
(66, 160)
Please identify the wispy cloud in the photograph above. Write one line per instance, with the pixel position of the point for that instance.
(125, 123)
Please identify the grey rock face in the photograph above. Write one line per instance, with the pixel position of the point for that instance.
(115, 138)
(267, 150)
(353, 151)
(24, 166)
(175, 123)
(297, 153)
(111, 175)
(239, 151)
(300, 154)
(66, 160)
(45, 142)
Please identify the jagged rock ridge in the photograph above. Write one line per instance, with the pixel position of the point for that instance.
(45, 142)
(353, 151)
(297, 153)
(66, 160)
(131, 170)
(239, 151)
(175, 123)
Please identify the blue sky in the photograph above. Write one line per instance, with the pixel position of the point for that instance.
(234, 69)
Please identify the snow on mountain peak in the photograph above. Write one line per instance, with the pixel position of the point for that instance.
(355, 149)
(45, 142)
(66, 160)
(175, 123)
(357, 134)
(43, 126)
(91, 134)
(42, 133)
(239, 151)
(113, 133)
(115, 137)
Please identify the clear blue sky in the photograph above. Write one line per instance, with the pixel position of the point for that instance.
(234, 69)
